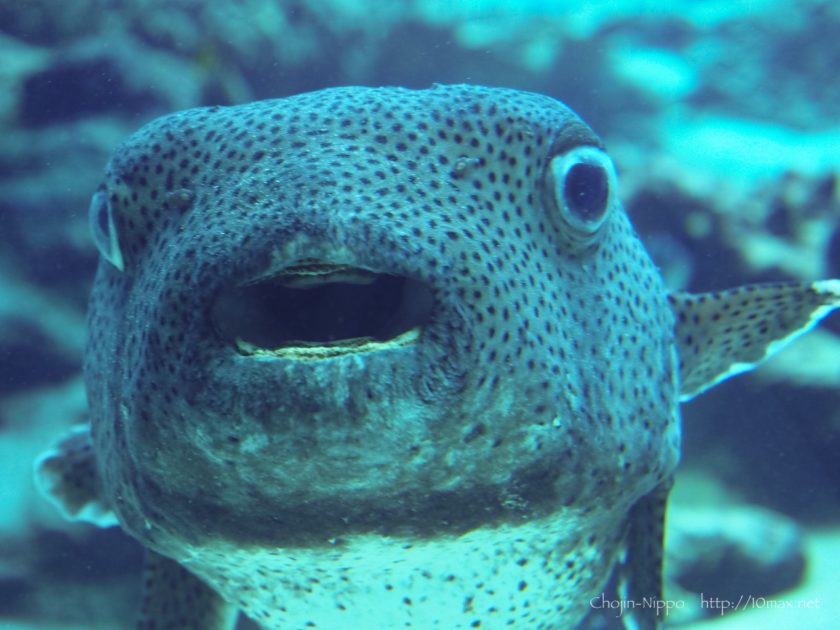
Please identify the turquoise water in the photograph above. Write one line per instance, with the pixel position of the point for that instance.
(720, 116)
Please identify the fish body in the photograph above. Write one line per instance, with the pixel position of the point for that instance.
(389, 358)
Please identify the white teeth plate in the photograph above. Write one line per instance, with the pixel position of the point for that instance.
(312, 273)
(303, 350)
(306, 276)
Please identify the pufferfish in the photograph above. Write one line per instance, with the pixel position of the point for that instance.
(382, 358)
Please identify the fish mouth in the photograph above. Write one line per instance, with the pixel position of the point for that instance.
(314, 309)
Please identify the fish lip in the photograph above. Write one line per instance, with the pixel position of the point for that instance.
(313, 271)
(279, 312)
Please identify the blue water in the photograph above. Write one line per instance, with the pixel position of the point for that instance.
(721, 118)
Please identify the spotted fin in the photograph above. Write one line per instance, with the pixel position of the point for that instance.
(642, 569)
(725, 333)
(67, 476)
(175, 599)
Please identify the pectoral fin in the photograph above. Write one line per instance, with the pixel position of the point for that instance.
(175, 599)
(724, 333)
(67, 476)
(642, 569)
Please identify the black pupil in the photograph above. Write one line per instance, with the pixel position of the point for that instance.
(586, 191)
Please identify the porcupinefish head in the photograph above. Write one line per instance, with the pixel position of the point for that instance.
(385, 358)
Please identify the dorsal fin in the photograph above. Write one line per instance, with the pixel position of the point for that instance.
(724, 333)
(67, 476)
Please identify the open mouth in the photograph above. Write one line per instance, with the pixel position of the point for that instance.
(315, 310)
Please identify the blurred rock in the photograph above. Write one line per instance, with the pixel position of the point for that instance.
(41, 336)
(90, 578)
(776, 64)
(812, 362)
(50, 176)
(45, 22)
(86, 81)
(31, 359)
(730, 552)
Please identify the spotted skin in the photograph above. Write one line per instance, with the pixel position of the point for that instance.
(174, 599)
(484, 472)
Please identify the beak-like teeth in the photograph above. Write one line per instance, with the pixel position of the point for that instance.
(326, 350)
(313, 275)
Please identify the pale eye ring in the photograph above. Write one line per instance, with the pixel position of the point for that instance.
(582, 184)
(104, 230)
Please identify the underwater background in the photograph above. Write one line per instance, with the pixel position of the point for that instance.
(723, 118)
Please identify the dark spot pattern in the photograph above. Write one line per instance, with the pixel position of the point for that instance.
(726, 332)
(536, 406)
(175, 599)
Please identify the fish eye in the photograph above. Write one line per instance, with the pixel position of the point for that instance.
(104, 230)
(582, 185)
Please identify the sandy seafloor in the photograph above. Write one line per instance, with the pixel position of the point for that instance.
(721, 117)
